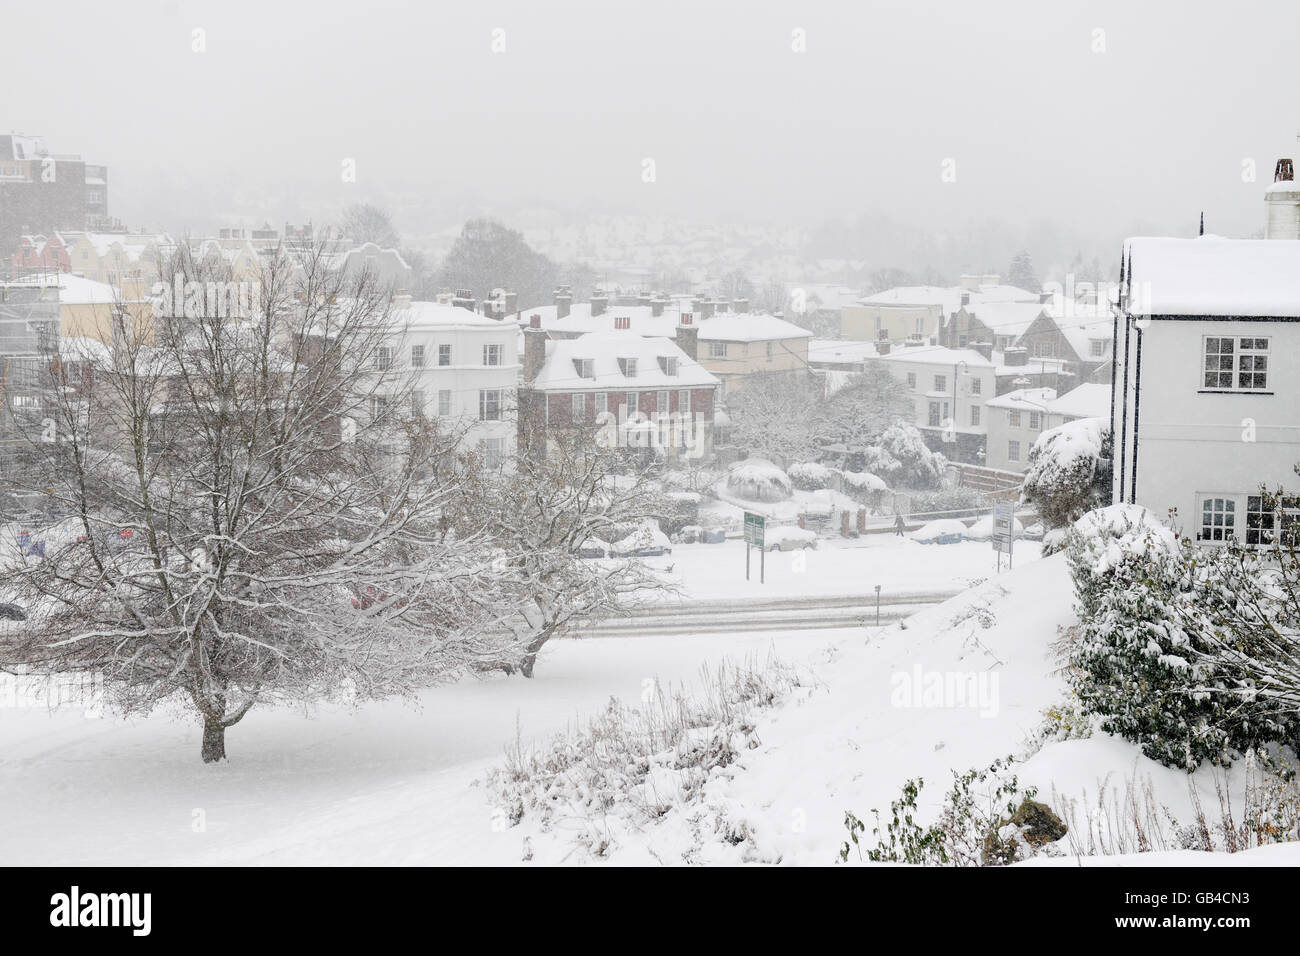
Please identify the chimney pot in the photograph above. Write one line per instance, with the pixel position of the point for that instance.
(534, 321)
(1284, 172)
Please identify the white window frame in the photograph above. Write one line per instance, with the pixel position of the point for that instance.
(444, 401)
(491, 354)
(975, 416)
(941, 383)
(1242, 360)
(1013, 449)
(717, 350)
(627, 366)
(1220, 518)
(578, 405)
(662, 402)
(684, 401)
(487, 398)
(602, 404)
(417, 356)
(384, 357)
(444, 352)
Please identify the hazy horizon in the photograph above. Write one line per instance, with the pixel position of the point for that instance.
(740, 127)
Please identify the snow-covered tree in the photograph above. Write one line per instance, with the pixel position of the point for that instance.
(249, 513)
(364, 222)
(868, 404)
(901, 457)
(488, 255)
(563, 491)
(1021, 273)
(775, 415)
(1069, 471)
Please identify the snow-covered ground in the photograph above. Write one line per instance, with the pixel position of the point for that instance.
(836, 566)
(395, 784)
(388, 783)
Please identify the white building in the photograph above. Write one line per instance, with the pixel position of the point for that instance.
(1016, 419)
(949, 389)
(462, 367)
(1207, 385)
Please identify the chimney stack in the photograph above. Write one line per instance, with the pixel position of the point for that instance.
(464, 299)
(965, 299)
(1282, 201)
(688, 335)
(512, 303)
(705, 308)
(657, 305)
(599, 302)
(984, 348)
(534, 348)
(563, 301)
(741, 305)
(882, 347)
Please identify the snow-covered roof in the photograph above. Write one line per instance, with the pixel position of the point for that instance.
(723, 327)
(1212, 276)
(1024, 399)
(1090, 400)
(560, 373)
(78, 290)
(749, 327)
(948, 298)
(936, 355)
(838, 351)
(1085, 325)
(421, 315)
(1007, 318)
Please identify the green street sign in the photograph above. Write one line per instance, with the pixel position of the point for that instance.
(754, 529)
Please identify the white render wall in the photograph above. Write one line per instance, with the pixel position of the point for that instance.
(1002, 433)
(1194, 443)
(966, 398)
(466, 375)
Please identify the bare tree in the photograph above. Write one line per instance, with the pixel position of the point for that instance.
(563, 491)
(248, 511)
(368, 223)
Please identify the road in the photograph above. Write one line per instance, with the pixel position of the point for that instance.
(769, 614)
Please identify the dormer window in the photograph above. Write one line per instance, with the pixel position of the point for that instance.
(628, 367)
(668, 364)
(584, 367)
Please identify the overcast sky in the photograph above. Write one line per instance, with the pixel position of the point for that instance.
(738, 124)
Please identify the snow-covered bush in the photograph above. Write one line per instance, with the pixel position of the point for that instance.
(634, 767)
(757, 479)
(986, 820)
(1069, 471)
(916, 465)
(865, 488)
(1155, 655)
(810, 475)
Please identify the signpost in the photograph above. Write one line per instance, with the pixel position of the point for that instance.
(1004, 531)
(754, 525)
